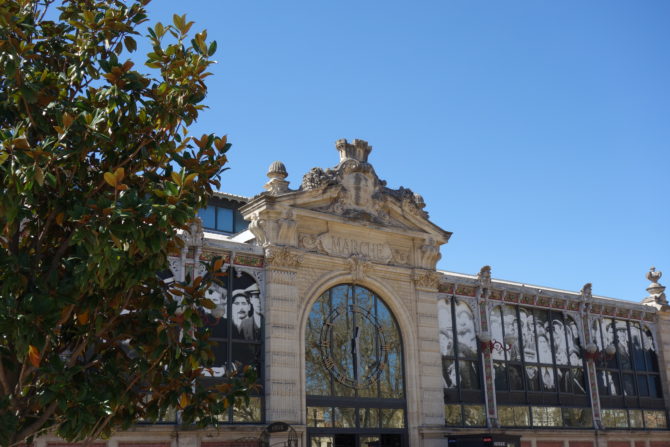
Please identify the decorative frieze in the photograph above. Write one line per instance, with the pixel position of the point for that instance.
(345, 247)
(426, 280)
(282, 257)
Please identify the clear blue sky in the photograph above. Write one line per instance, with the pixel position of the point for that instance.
(538, 132)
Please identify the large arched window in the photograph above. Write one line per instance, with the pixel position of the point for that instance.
(461, 372)
(353, 363)
(538, 363)
(629, 381)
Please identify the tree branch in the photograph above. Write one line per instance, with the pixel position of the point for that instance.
(35, 426)
(3, 378)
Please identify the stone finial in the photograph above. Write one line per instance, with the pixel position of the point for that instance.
(655, 289)
(484, 276)
(357, 150)
(586, 292)
(277, 173)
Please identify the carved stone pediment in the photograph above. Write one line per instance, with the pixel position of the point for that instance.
(338, 202)
(358, 193)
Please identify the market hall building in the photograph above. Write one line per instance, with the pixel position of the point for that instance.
(333, 295)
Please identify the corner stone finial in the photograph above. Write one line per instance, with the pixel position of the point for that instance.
(277, 173)
(357, 150)
(484, 276)
(655, 289)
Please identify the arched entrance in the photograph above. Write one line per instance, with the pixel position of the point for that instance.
(355, 386)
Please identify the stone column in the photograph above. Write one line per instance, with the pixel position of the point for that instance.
(283, 401)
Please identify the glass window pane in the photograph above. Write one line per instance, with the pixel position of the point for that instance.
(496, 326)
(543, 336)
(391, 378)
(247, 354)
(515, 377)
(370, 441)
(629, 385)
(453, 415)
(224, 219)
(512, 330)
(608, 339)
(344, 417)
(548, 381)
(469, 375)
(500, 374)
(449, 373)
(465, 331)
(369, 417)
(596, 334)
(638, 350)
(577, 381)
(319, 416)
(547, 416)
(655, 419)
(208, 217)
(622, 344)
(564, 383)
(655, 386)
(446, 328)
(615, 418)
(614, 384)
(642, 386)
(532, 378)
(393, 418)
(240, 223)
(651, 359)
(577, 417)
(251, 412)
(528, 335)
(574, 345)
(635, 417)
(475, 416)
(322, 441)
(514, 416)
(560, 343)
(603, 384)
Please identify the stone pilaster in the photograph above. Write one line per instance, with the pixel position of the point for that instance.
(430, 395)
(283, 401)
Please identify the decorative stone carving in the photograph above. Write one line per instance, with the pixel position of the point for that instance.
(484, 277)
(282, 257)
(277, 231)
(316, 178)
(426, 279)
(361, 195)
(257, 228)
(359, 267)
(399, 257)
(656, 290)
(312, 242)
(194, 236)
(277, 173)
(341, 246)
(287, 231)
(358, 150)
(429, 254)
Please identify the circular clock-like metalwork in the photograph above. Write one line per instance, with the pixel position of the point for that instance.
(359, 370)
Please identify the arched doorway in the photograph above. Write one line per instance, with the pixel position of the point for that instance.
(355, 386)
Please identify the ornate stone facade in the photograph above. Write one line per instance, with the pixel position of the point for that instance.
(344, 226)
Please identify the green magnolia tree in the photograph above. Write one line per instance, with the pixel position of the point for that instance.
(98, 176)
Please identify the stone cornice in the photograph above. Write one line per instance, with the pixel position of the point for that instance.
(533, 295)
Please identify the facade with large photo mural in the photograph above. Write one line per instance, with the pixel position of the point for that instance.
(331, 291)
